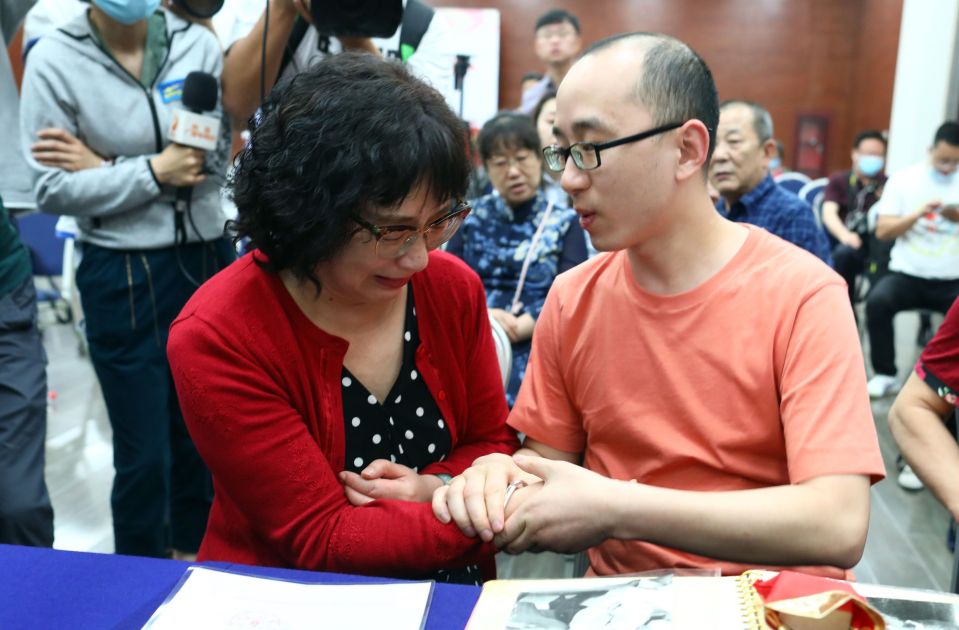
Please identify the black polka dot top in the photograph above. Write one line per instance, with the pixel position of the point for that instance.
(406, 428)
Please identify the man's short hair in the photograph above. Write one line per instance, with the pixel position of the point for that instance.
(762, 121)
(948, 132)
(676, 84)
(869, 134)
(557, 16)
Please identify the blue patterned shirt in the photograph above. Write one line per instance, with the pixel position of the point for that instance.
(781, 213)
(494, 240)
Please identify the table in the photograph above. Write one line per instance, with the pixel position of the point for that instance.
(46, 588)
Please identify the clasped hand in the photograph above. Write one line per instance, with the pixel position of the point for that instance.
(384, 479)
(564, 507)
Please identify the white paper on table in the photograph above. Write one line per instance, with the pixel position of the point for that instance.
(209, 598)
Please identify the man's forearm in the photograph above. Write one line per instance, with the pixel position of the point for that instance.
(243, 62)
(889, 228)
(823, 521)
(830, 219)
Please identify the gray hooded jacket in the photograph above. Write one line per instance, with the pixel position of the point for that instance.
(70, 82)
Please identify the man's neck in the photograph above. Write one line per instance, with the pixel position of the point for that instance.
(557, 71)
(690, 246)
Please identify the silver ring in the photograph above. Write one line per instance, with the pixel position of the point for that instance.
(510, 489)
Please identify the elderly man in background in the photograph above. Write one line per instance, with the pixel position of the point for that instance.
(740, 173)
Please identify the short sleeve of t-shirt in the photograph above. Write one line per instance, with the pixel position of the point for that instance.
(836, 189)
(826, 416)
(939, 363)
(544, 410)
(892, 202)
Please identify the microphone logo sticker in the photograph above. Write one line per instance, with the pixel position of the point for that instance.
(171, 90)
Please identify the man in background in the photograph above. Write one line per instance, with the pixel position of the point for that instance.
(848, 197)
(26, 516)
(557, 43)
(740, 173)
(919, 208)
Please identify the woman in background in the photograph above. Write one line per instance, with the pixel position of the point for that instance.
(517, 239)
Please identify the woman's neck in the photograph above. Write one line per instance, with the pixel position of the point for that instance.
(119, 38)
(336, 314)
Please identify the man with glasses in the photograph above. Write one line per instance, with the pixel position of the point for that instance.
(740, 172)
(920, 209)
(557, 42)
(695, 397)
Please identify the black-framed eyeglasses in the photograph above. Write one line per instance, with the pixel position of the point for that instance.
(392, 241)
(586, 154)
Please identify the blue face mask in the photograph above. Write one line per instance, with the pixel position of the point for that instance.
(775, 163)
(128, 11)
(870, 165)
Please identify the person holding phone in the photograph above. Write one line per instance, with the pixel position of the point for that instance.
(918, 209)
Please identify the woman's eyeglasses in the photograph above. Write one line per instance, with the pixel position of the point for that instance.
(392, 241)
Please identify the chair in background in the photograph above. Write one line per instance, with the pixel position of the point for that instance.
(813, 193)
(504, 349)
(47, 253)
(792, 181)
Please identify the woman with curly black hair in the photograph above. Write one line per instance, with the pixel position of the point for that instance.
(343, 370)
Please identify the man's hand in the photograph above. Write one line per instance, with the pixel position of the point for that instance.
(851, 240)
(566, 513)
(178, 165)
(524, 327)
(475, 498)
(508, 321)
(58, 148)
(384, 479)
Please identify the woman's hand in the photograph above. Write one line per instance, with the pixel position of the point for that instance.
(178, 165)
(58, 148)
(508, 321)
(524, 327)
(383, 479)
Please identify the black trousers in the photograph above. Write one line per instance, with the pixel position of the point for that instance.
(26, 517)
(897, 292)
(850, 264)
(162, 491)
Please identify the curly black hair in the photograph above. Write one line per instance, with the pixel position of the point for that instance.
(347, 135)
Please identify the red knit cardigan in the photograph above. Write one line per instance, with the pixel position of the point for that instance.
(259, 385)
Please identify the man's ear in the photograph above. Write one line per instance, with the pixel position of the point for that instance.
(693, 141)
(769, 149)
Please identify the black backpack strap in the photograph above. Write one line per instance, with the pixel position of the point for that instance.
(416, 19)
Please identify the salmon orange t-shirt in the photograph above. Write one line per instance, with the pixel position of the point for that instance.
(755, 378)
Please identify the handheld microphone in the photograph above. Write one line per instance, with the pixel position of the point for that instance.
(190, 126)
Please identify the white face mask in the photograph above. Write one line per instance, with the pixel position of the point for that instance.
(128, 11)
(941, 178)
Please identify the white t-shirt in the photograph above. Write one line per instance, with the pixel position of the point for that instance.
(930, 248)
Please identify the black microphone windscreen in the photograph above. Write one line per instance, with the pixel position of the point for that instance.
(200, 8)
(199, 92)
(357, 18)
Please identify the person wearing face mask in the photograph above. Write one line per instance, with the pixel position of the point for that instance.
(99, 94)
(846, 202)
(518, 238)
(920, 210)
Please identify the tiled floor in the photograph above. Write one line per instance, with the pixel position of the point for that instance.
(906, 544)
